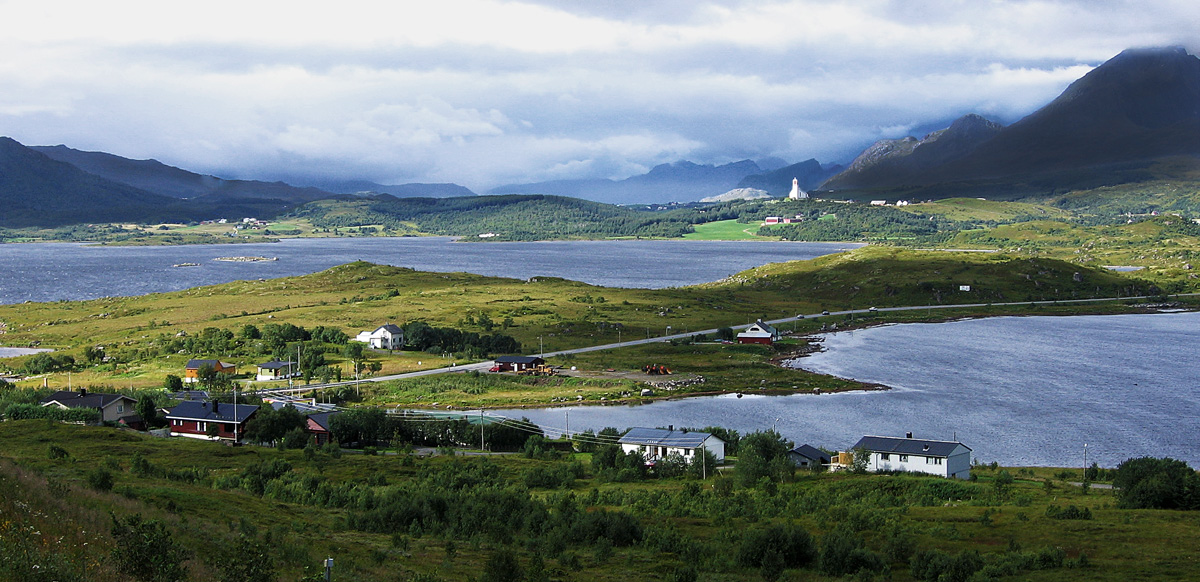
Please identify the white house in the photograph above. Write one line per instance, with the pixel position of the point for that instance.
(386, 337)
(943, 458)
(656, 443)
(758, 333)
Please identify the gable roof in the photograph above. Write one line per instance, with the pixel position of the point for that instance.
(196, 364)
(390, 328)
(907, 446)
(661, 437)
(812, 453)
(276, 365)
(760, 324)
(321, 419)
(83, 399)
(212, 412)
(518, 359)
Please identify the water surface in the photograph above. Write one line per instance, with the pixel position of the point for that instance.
(54, 271)
(1018, 390)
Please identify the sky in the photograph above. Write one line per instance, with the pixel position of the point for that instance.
(489, 92)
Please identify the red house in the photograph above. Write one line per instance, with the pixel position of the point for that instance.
(318, 426)
(192, 419)
(759, 333)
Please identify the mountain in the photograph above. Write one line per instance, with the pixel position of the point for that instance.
(1106, 128)
(678, 182)
(159, 178)
(810, 173)
(738, 194)
(36, 190)
(413, 190)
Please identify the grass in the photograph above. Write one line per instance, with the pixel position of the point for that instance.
(47, 502)
(726, 230)
(979, 210)
(560, 314)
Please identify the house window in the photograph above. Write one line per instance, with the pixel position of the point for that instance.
(903, 458)
(885, 456)
(935, 460)
(120, 408)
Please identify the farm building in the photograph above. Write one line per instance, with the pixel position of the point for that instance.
(192, 419)
(277, 370)
(191, 373)
(656, 443)
(758, 333)
(517, 363)
(112, 407)
(944, 458)
(807, 456)
(385, 337)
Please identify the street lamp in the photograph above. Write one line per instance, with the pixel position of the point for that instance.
(668, 332)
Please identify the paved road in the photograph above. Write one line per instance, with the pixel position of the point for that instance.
(483, 366)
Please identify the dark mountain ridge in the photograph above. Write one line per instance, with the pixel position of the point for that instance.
(810, 174)
(1107, 127)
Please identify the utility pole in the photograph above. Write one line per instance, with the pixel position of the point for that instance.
(567, 432)
(481, 429)
(541, 348)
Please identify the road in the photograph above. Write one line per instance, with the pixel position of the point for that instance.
(483, 366)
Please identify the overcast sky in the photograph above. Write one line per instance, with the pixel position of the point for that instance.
(488, 92)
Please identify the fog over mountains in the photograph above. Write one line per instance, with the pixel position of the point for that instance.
(1110, 126)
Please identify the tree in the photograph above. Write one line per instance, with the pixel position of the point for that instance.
(173, 383)
(726, 334)
(763, 454)
(147, 409)
(861, 461)
(145, 550)
(355, 352)
(1153, 483)
(270, 425)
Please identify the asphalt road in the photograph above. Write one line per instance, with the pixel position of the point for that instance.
(484, 366)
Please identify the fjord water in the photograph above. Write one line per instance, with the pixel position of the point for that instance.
(55, 271)
(1018, 390)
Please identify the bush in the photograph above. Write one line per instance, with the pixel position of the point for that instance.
(1069, 512)
(1152, 483)
(792, 544)
(145, 550)
(100, 479)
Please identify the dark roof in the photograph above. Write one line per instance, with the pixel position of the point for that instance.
(518, 360)
(909, 446)
(391, 328)
(276, 365)
(322, 418)
(661, 437)
(812, 453)
(192, 410)
(214, 363)
(72, 399)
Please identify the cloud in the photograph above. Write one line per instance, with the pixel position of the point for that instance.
(485, 92)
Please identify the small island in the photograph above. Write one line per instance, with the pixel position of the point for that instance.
(246, 259)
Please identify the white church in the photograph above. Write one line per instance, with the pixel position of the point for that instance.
(797, 193)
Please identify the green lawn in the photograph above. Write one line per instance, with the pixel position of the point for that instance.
(726, 230)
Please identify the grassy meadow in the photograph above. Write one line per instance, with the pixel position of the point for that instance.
(64, 486)
(555, 313)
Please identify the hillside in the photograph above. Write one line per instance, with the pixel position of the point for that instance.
(512, 217)
(1109, 127)
(154, 176)
(38, 191)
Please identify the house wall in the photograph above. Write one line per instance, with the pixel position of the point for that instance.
(912, 463)
(716, 446)
(754, 340)
(959, 465)
(198, 429)
(115, 410)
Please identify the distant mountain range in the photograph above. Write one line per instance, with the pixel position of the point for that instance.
(677, 182)
(1109, 127)
(1114, 125)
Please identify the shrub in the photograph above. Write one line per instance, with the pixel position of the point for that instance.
(146, 552)
(1152, 483)
(100, 479)
(1069, 512)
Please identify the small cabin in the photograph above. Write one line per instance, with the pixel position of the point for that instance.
(758, 333)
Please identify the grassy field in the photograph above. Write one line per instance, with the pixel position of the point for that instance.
(980, 210)
(55, 516)
(557, 313)
(726, 230)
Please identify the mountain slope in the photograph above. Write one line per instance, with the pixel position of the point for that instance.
(1108, 127)
(159, 178)
(36, 190)
(678, 182)
(779, 182)
(411, 190)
